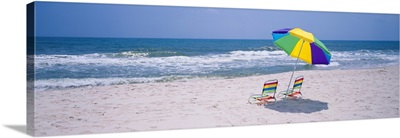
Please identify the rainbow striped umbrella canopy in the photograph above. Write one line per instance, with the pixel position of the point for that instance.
(302, 45)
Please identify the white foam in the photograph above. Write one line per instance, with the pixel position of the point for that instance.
(41, 85)
(132, 54)
(332, 64)
(201, 64)
(140, 59)
(364, 55)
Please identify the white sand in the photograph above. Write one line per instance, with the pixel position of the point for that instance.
(328, 96)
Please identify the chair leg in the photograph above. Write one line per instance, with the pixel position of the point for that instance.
(251, 98)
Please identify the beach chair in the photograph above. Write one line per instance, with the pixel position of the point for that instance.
(267, 94)
(295, 91)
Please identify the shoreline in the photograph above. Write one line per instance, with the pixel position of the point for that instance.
(329, 95)
(196, 78)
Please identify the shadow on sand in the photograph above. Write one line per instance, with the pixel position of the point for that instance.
(297, 106)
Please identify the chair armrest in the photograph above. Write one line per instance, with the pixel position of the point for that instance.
(290, 90)
(281, 94)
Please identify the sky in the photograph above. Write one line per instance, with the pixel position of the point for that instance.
(138, 21)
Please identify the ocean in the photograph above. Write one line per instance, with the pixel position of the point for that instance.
(86, 62)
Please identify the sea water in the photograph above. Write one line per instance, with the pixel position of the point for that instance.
(85, 62)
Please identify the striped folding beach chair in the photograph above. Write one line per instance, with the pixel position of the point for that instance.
(267, 94)
(295, 91)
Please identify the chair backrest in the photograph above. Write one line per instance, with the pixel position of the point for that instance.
(298, 83)
(270, 87)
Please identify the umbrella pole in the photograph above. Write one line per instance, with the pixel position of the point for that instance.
(294, 69)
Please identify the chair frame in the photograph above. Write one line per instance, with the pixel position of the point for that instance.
(286, 93)
(261, 101)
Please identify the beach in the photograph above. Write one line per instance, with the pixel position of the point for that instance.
(328, 95)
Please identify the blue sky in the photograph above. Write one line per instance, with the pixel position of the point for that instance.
(132, 21)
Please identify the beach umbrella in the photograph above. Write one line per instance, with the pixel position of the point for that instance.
(301, 45)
